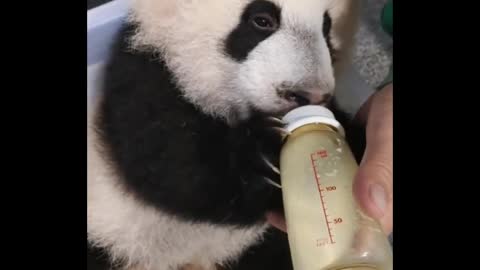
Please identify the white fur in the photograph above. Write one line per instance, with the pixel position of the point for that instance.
(191, 35)
(148, 238)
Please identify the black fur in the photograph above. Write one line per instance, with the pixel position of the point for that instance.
(189, 164)
(327, 29)
(97, 259)
(244, 38)
(173, 156)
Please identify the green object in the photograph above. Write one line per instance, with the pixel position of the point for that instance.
(387, 18)
(387, 25)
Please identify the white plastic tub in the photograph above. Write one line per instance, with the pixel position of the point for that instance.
(103, 23)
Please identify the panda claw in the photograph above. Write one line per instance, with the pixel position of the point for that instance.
(276, 120)
(270, 165)
(283, 132)
(271, 182)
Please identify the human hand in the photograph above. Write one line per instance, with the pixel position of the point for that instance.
(373, 185)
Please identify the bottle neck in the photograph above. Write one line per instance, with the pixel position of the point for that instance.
(314, 127)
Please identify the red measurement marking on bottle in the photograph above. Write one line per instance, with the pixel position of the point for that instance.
(322, 154)
(312, 157)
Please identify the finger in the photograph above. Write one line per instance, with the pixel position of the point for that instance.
(373, 186)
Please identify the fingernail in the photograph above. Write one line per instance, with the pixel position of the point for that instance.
(379, 197)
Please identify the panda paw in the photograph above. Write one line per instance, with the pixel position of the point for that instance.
(254, 161)
(269, 133)
(266, 135)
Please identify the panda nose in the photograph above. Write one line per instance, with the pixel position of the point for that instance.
(303, 98)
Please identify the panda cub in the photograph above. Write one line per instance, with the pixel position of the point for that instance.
(183, 144)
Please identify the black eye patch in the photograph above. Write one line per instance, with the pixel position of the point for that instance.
(327, 29)
(259, 20)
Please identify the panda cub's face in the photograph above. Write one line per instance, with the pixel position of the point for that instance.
(233, 57)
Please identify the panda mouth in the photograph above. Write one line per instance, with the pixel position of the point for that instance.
(303, 97)
(297, 97)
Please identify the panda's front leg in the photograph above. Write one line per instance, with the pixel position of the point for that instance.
(254, 158)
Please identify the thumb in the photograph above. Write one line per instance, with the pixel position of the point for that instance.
(373, 185)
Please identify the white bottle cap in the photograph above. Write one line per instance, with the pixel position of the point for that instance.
(311, 114)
